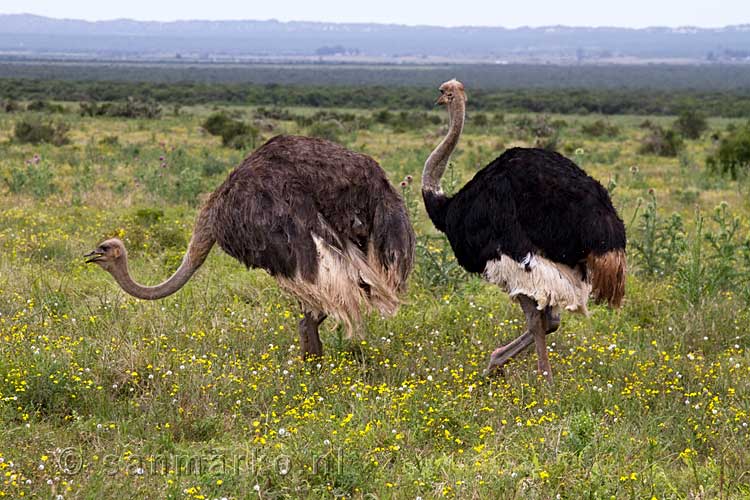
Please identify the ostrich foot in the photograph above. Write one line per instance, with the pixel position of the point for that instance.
(502, 355)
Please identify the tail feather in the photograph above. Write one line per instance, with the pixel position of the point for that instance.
(607, 273)
(392, 245)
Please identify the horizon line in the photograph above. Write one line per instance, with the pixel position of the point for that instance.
(364, 23)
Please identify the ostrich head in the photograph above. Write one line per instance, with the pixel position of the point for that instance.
(450, 91)
(109, 254)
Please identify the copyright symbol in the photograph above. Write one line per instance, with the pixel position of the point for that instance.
(70, 461)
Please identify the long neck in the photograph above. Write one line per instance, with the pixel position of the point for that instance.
(434, 167)
(198, 249)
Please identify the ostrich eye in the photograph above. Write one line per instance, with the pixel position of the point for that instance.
(104, 247)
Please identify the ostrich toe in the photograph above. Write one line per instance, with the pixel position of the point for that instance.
(502, 355)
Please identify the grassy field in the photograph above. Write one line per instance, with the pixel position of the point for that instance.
(202, 395)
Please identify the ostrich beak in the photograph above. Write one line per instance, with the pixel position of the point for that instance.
(441, 100)
(93, 256)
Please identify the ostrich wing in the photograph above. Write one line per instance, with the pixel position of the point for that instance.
(483, 223)
(268, 209)
(265, 231)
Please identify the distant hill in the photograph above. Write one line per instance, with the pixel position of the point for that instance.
(25, 35)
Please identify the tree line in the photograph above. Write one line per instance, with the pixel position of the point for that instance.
(735, 103)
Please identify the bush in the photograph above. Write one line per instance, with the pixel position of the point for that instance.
(35, 178)
(34, 131)
(661, 142)
(691, 124)
(600, 128)
(717, 267)
(234, 133)
(733, 155)
(330, 130)
(9, 106)
(406, 120)
(384, 116)
(275, 114)
(348, 121)
(131, 108)
(539, 127)
(658, 242)
(480, 120)
(45, 107)
(110, 140)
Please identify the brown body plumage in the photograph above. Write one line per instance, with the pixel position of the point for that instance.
(321, 219)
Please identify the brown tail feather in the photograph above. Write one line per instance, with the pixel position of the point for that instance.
(607, 272)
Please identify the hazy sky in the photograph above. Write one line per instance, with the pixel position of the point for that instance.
(630, 13)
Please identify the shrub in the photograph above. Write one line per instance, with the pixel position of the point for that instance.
(45, 107)
(35, 131)
(498, 119)
(480, 120)
(35, 178)
(406, 120)
(9, 106)
(718, 266)
(538, 126)
(549, 143)
(661, 142)
(275, 114)
(691, 124)
(234, 133)
(110, 140)
(384, 116)
(600, 128)
(330, 130)
(733, 155)
(131, 108)
(658, 243)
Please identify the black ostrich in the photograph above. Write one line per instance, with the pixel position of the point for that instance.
(323, 220)
(533, 223)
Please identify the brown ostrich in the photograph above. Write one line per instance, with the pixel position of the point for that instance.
(533, 223)
(323, 220)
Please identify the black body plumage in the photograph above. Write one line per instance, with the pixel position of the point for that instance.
(528, 201)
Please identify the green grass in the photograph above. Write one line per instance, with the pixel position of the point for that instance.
(202, 394)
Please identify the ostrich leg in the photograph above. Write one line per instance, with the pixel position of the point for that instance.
(550, 319)
(308, 334)
(537, 327)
